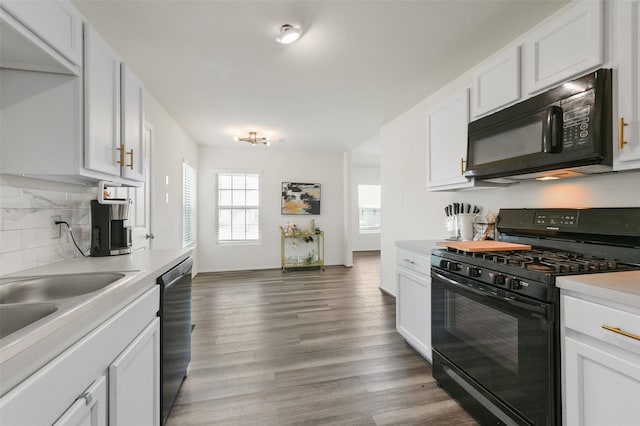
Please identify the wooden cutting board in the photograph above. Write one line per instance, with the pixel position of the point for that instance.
(485, 245)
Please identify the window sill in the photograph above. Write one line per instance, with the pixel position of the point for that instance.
(239, 243)
(369, 231)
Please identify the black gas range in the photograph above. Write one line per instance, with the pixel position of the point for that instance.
(495, 315)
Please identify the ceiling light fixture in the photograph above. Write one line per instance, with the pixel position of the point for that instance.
(253, 139)
(288, 34)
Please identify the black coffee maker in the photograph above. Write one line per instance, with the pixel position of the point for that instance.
(110, 233)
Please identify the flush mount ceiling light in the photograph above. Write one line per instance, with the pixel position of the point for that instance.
(253, 139)
(288, 34)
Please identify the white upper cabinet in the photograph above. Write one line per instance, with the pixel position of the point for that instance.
(447, 143)
(626, 44)
(66, 128)
(571, 44)
(103, 152)
(132, 91)
(114, 114)
(56, 22)
(496, 83)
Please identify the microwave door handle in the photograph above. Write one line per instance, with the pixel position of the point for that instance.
(552, 135)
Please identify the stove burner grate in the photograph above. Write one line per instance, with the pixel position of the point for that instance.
(547, 261)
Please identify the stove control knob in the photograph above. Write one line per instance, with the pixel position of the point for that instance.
(513, 283)
(473, 272)
(495, 278)
(449, 265)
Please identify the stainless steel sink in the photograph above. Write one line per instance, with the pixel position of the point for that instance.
(54, 287)
(16, 317)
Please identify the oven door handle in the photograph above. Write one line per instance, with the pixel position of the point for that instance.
(532, 306)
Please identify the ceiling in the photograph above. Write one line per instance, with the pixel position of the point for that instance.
(216, 68)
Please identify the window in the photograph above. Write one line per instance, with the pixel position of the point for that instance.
(238, 215)
(369, 208)
(188, 204)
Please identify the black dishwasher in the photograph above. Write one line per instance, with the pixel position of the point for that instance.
(175, 332)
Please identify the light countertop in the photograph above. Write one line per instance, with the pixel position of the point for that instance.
(419, 246)
(619, 287)
(25, 351)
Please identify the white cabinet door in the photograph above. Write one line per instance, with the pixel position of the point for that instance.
(601, 385)
(56, 22)
(569, 45)
(447, 143)
(132, 125)
(134, 381)
(627, 59)
(496, 83)
(413, 310)
(103, 152)
(88, 410)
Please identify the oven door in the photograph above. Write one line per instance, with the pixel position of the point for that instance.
(501, 341)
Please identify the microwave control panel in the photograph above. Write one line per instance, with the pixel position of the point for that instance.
(576, 118)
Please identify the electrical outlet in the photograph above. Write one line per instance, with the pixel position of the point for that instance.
(56, 230)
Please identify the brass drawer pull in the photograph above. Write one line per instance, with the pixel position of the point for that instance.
(462, 161)
(121, 149)
(131, 154)
(620, 331)
(621, 141)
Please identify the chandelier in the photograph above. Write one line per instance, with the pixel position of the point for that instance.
(253, 139)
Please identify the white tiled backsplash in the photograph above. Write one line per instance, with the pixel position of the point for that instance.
(27, 207)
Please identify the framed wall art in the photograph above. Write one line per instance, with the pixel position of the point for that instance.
(300, 198)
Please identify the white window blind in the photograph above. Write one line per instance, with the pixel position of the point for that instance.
(238, 207)
(188, 204)
(369, 207)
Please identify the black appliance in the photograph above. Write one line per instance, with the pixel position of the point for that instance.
(495, 315)
(110, 233)
(175, 332)
(564, 132)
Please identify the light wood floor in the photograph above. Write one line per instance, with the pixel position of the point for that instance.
(305, 347)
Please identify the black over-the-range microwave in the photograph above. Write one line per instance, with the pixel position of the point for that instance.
(564, 132)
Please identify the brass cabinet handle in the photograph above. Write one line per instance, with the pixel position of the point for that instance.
(462, 161)
(620, 331)
(121, 149)
(130, 152)
(621, 141)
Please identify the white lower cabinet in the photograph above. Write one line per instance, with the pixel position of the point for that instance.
(413, 300)
(90, 409)
(71, 388)
(134, 381)
(601, 364)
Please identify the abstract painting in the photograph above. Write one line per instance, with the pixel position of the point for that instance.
(300, 198)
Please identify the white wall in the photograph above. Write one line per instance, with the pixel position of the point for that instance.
(412, 213)
(362, 176)
(276, 166)
(170, 146)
